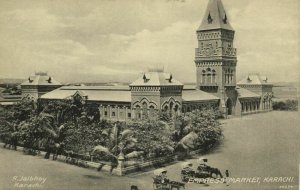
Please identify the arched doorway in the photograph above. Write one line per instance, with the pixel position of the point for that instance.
(229, 106)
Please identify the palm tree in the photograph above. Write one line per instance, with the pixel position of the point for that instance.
(117, 143)
(52, 128)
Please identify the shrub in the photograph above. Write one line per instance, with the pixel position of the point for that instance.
(153, 136)
(288, 105)
(204, 130)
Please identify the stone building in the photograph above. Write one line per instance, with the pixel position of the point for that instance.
(216, 62)
(258, 85)
(153, 91)
(38, 84)
(216, 86)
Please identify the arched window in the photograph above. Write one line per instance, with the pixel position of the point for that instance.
(171, 105)
(176, 108)
(188, 109)
(227, 75)
(166, 108)
(145, 105)
(231, 76)
(151, 109)
(208, 75)
(209, 78)
(213, 76)
(138, 112)
(194, 107)
(203, 76)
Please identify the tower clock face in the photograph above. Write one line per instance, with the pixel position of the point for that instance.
(208, 49)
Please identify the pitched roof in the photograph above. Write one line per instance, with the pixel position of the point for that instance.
(254, 79)
(92, 93)
(156, 78)
(41, 79)
(196, 95)
(215, 17)
(244, 93)
(111, 88)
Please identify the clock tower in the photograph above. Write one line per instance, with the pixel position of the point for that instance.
(215, 57)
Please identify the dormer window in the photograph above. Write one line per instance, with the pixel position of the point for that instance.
(146, 77)
(248, 79)
(170, 79)
(225, 19)
(30, 80)
(209, 19)
(49, 80)
(265, 80)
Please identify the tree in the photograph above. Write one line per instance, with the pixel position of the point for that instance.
(154, 137)
(11, 117)
(83, 137)
(117, 143)
(203, 132)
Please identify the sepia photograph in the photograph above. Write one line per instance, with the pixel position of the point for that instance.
(149, 94)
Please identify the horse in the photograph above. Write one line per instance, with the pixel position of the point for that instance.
(215, 171)
(207, 171)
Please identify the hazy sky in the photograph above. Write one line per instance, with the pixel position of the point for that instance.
(116, 40)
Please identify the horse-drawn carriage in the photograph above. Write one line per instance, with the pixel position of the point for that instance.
(160, 181)
(203, 171)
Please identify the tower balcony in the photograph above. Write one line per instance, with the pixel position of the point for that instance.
(229, 85)
(212, 52)
(209, 84)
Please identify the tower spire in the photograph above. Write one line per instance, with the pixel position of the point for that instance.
(216, 17)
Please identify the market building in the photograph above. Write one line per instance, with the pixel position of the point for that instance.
(156, 89)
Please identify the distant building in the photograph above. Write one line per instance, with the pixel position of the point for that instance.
(260, 86)
(10, 95)
(215, 60)
(39, 84)
(7, 99)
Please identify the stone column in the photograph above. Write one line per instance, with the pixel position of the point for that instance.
(126, 114)
(101, 111)
(243, 108)
(248, 107)
(118, 113)
(121, 165)
(109, 111)
(260, 104)
(133, 113)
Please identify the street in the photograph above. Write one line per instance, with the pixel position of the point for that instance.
(255, 146)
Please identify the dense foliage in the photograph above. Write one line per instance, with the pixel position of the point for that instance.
(75, 127)
(288, 105)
